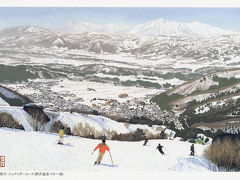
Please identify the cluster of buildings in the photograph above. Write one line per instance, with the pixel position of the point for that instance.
(126, 108)
(130, 108)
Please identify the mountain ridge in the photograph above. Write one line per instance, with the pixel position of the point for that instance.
(153, 27)
(223, 49)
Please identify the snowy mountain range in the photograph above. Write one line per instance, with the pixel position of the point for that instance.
(81, 27)
(223, 48)
(22, 30)
(159, 27)
(153, 28)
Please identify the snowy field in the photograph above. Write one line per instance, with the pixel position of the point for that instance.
(80, 90)
(38, 151)
(103, 90)
(63, 56)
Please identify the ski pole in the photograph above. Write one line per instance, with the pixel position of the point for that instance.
(110, 157)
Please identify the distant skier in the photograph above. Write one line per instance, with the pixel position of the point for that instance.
(61, 134)
(192, 150)
(145, 142)
(159, 147)
(102, 148)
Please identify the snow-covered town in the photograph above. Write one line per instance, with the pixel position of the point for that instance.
(120, 106)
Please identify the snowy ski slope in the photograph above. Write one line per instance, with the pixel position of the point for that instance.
(38, 151)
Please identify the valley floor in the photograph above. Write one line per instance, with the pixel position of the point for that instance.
(38, 151)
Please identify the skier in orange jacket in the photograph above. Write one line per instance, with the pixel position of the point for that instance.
(102, 148)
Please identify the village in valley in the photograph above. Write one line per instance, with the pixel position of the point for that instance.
(122, 108)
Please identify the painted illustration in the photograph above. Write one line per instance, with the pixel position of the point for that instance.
(119, 89)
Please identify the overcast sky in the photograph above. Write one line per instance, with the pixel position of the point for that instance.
(50, 17)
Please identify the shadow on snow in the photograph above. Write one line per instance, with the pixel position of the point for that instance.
(108, 165)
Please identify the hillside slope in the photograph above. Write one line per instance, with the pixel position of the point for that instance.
(12, 98)
(209, 102)
(205, 87)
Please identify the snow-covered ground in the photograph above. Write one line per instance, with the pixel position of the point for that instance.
(103, 90)
(197, 85)
(102, 124)
(38, 151)
(160, 81)
(3, 103)
(215, 104)
(80, 90)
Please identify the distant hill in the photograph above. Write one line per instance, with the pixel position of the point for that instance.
(12, 98)
(211, 102)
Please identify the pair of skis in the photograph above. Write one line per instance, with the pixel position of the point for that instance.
(110, 158)
(60, 143)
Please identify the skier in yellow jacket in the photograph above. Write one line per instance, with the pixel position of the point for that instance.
(61, 134)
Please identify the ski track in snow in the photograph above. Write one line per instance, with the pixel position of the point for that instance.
(38, 151)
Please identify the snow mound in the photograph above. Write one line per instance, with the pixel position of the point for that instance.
(19, 115)
(72, 120)
(101, 123)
